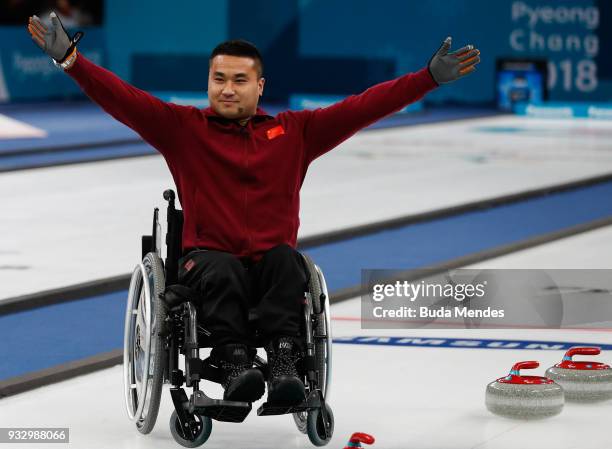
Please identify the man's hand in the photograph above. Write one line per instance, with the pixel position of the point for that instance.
(53, 40)
(446, 67)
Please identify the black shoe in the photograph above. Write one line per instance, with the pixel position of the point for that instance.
(240, 380)
(285, 387)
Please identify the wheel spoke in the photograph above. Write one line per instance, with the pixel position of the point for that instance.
(140, 318)
(142, 305)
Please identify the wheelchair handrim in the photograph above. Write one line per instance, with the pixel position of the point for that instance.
(328, 355)
(139, 276)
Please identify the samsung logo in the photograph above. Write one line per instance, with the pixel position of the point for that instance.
(464, 343)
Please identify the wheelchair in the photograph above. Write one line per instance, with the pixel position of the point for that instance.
(161, 323)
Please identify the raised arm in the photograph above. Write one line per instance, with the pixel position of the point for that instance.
(150, 117)
(327, 127)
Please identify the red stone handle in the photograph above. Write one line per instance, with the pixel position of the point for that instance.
(359, 437)
(525, 365)
(582, 351)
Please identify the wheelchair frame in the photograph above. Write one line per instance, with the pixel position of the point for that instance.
(161, 323)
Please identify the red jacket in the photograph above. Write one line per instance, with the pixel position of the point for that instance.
(239, 187)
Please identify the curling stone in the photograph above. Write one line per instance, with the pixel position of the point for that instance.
(582, 381)
(524, 397)
(357, 438)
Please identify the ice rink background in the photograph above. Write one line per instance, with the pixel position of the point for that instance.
(77, 218)
(407, 396)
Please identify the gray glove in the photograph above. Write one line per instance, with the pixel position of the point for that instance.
(53, 40)
(445, 67)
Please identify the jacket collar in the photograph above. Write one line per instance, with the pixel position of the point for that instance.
(260, 116)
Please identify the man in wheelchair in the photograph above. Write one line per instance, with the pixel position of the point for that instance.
(238, 173)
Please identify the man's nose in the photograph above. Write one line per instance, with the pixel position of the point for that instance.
(228, 89)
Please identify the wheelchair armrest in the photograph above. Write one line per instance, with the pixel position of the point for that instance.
(176, 294)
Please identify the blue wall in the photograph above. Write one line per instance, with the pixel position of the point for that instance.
(26, 73)
(407, 32)
(343, 46)
(162, 27)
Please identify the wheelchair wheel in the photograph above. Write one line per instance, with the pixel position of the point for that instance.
(144, 355)
(316, 426)
(203, 426)
(322, 326)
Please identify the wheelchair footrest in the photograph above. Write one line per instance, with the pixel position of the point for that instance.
(267, 409)
(313, 401)
(220, 410)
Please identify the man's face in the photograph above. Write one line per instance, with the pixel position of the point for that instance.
(234, 86)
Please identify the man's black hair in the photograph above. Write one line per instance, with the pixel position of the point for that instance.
(239, 47)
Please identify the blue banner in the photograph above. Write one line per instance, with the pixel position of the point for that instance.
(567, 34)
(570, 34)
(311, 101)
(313, 47)
(602, 111)
(26, 73)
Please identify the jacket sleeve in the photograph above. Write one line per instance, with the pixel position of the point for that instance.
(326, 128)
(155, 120)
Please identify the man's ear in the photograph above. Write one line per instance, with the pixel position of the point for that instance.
(261, 83)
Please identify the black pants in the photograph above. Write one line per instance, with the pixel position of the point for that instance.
(230, 286)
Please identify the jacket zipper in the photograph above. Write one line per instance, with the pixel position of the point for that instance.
(246, 136)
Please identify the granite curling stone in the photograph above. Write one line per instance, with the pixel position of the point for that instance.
(582, 381)
(524, 397)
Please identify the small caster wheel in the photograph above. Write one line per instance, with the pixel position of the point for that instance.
(203, 427)
(315, 426)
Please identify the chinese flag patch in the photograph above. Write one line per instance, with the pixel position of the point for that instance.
(275, 132)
